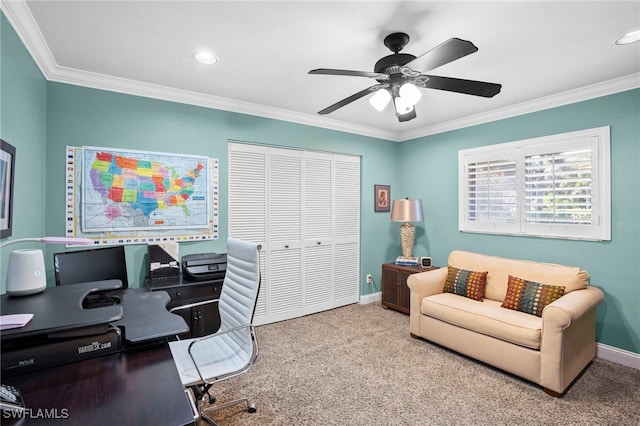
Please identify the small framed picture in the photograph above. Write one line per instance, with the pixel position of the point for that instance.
(7, 166)
(382, 194)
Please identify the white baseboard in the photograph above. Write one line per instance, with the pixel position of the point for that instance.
(370, 298)
(619, 356)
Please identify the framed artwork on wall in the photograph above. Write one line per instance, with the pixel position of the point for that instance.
(382, 194)
(7, 167)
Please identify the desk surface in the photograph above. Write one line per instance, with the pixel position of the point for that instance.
(136, 388)
(146, 316)
(59, 309)
(142, 314)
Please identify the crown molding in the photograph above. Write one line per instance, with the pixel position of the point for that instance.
(24, 24)
(631, 81)
(20, 17)
(154, 91)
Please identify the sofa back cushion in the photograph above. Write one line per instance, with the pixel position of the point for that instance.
(499, 269)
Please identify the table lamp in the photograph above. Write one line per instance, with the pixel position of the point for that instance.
(26, 271)
(407, 211)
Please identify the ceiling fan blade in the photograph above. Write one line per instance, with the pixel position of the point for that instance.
(449, 51)
(468, 87)
(350, 99)
(329, 71)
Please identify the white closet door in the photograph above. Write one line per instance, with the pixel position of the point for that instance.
(248, 206)
(346, 229)
(303, 207)
(284, 221)
(318, 232)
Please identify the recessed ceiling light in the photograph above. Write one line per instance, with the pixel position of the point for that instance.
(629, 37)
(205, 58)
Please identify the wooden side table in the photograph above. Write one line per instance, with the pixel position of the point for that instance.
(395, 292)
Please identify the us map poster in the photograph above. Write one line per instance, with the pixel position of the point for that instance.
(120, 196)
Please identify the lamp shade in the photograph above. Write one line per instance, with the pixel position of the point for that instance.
(407, 210)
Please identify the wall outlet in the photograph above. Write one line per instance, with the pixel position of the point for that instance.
(369, 279)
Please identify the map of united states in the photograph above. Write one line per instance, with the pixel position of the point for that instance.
(142, 185)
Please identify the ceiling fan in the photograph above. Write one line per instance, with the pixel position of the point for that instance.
(398, 79)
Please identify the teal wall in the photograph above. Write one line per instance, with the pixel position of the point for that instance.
(431, 164)
(79, 116)
(41, 118)
(22, 124)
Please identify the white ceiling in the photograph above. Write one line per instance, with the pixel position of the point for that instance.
(543, 53)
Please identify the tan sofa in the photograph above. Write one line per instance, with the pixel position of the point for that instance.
(550, 350)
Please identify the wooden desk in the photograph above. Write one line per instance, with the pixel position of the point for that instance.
(135, 388)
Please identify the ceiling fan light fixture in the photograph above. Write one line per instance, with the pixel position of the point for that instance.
(402, 107)
(410, 94)
(380, 99)
(204, 58)
(630, 37)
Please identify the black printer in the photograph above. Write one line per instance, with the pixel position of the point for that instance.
(204, 266)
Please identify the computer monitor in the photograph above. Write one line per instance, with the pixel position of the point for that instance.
(72, 267)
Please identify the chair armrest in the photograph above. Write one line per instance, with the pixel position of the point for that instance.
(221, 333)
(238, 339)
(423, 284)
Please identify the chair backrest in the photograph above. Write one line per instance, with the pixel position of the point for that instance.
(241, 285)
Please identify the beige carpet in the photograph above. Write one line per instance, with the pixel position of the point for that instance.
(357, 365)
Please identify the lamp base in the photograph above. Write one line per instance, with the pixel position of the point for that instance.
(26, 273)
(407, 239)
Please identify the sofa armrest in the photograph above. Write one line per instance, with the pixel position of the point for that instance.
(423, 284)
(570, 307)
(568, 337)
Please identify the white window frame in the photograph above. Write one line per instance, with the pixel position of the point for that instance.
(597, 140)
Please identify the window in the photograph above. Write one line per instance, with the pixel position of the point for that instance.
(555, 186)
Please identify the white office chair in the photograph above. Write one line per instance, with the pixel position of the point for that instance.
(233, 349)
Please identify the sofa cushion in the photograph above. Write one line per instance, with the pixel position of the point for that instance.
(499, 268)
(530, 297)
(465, 283)
(488, 318)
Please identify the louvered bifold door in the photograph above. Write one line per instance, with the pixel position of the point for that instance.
(284, 299)
(248, 207)
(346, 214)
(318, 232)
(304, 208)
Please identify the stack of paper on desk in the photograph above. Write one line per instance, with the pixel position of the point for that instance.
(14, 321)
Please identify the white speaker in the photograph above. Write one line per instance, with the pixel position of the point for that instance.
(26, 273)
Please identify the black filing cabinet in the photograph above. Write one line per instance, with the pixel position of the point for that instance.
(189, 300)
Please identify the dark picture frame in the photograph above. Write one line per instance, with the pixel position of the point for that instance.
(7, 173)
(382, 198)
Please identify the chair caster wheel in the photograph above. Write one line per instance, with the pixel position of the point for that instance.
(252, 408)
(212, 399)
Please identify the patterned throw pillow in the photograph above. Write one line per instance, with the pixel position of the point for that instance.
(465, 283)
(530, 297)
